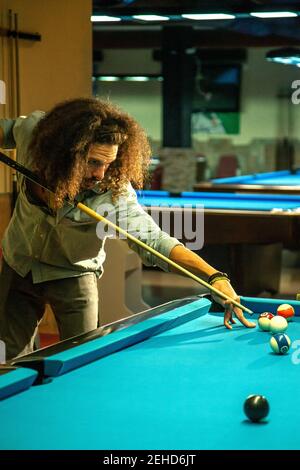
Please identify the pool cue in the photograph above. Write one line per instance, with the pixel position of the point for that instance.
(100, 218)
(28, 174)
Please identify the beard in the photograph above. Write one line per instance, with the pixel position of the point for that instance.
(88, 183)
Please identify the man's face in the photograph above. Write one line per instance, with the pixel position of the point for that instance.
(100, 156)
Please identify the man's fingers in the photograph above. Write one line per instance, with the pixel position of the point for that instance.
(239, 314)
(227, 324)
(244, 320)
(228, 317)
(230, 311)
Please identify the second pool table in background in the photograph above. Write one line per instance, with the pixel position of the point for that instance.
(283, 181)
(243, 233)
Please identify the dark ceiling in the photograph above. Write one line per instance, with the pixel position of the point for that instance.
(199, 5)
(244, 31)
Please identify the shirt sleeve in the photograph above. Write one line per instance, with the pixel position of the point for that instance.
(131, 217)
(22, 132)
(7, 126)
(17, 133)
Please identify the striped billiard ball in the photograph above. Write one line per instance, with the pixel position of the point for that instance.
(280, 343)
(264, 320)
(286, 311)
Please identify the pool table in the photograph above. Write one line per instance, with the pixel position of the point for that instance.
(283, 181)
(170, 378)
(233, 218)
(243, 233)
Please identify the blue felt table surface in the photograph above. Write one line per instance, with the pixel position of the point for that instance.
(182, 389)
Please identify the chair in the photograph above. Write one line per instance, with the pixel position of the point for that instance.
(157, 176)
(228, 165)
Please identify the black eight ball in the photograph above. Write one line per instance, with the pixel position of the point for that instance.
(256, 407)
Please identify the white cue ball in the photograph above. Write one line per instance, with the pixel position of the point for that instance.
(278, 324)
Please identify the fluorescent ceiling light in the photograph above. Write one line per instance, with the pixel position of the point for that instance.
(100, 19)
(274, 14)
(129, 78)
(137, 79)
(108, 79)
(209, 16)
(151, 17)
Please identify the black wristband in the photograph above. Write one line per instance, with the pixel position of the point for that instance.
(220, 276)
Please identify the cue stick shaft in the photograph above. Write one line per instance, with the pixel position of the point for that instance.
(100, 218)
(28, 174)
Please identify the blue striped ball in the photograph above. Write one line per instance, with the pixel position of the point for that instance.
(280, 343)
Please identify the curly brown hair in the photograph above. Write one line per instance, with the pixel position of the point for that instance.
(62, 138)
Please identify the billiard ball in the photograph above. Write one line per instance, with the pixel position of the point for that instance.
(280, 343)
(278, 324)
(286, 311)
(264, 320)
(256, 407)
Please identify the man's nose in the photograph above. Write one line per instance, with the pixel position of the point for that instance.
(98, 173)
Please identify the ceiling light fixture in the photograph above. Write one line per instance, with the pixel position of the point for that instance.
(103, 19)
(208, 16)
(274, 14)
(151, 17)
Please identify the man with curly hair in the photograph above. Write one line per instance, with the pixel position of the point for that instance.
(91, 150)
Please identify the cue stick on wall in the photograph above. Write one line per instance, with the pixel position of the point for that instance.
(17, 103)
(14, 102)
(11, 83)
(17, 65)
(28, 174)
